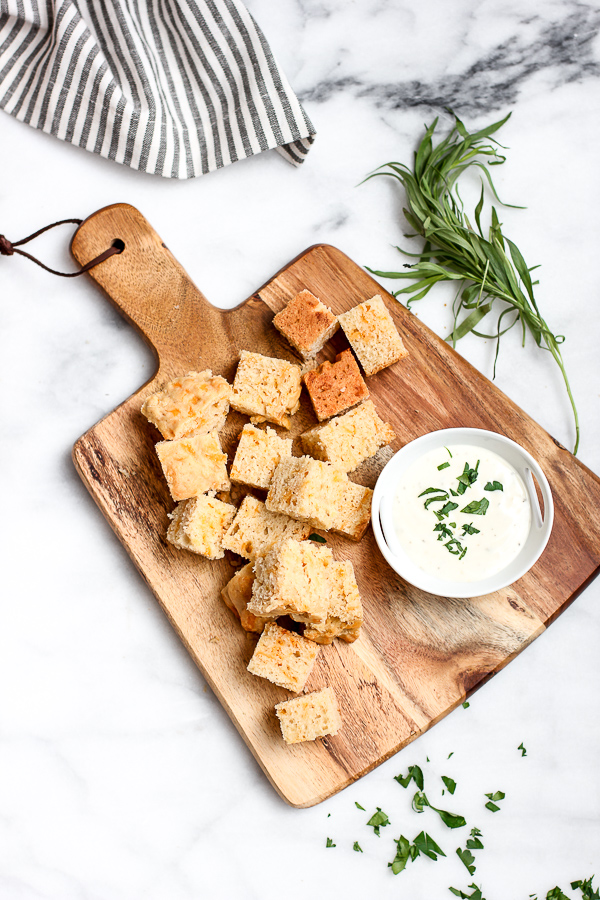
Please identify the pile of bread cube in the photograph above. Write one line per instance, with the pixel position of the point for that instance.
(289, 571)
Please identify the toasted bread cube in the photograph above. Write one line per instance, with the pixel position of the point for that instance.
(373, 336)
(199, 524)
(349, 439)
(306, 323)
(345, 614)
(257, 456)
(334, 387)
(194, 404)
(193, 465)
(255, 528)
(309, 716)
(293, 579)
(283, 657)
(309, 490)
(236, 595)
(355, 511)
(266, 389)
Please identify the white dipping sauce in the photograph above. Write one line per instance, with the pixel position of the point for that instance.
(502, 530)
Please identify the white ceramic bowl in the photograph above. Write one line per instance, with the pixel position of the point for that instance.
(515, 455)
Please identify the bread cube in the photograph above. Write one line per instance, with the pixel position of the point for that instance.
(293, 579)
(349, 439)
(194, 404)
(309, 490)
(193, 465)
(255, 528)
(355, 512)
(334, 387)
(257, 456)
(236, 595)
(345, 614)
(199, 524)
(306, 323)
(283, 657)
(373, 336)
(266, 389)
(309, 716)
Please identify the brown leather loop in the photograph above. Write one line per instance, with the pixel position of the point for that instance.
(9, 249)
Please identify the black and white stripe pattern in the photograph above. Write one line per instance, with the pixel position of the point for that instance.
(174, 87)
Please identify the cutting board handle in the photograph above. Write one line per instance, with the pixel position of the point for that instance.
(147, 284)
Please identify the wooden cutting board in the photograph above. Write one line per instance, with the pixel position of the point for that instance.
(418, 656)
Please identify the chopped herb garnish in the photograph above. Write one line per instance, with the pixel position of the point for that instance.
(466, 704)
(403, 854)
(556, 894)
(493, 486)
(356, 846)
(378, 820)
(432, 491)
(444, 531)
(440, 497)
(468, 529)
(423, 843)
(427, 846)
(587, 891)
(477, 507)
(318, 538)
(476, 895)
(455, 548)
(469, 476)
(473, 843)
(445, 465)
(450, 754)
(449, 454)
(451, 820)
(522, 749)
(449, 782)
(493, 799)
(358, 806)
(467, 858)
(414, 774)
(330, 843)
(453, 492)
(446, 509)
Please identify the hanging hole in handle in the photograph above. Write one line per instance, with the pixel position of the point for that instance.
(118, 244)
(535, 497)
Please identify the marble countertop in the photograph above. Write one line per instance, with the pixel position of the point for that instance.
(121, 777)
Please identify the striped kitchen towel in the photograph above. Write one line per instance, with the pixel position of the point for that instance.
(173, 87)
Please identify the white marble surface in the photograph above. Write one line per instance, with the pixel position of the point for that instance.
(121, 777)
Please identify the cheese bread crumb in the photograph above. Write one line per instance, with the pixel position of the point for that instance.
(334, 387)
(255, 528)
(199, 524)
(349, 439)
(373, 336)
(257, 456)
(309, 716)
(236, 595)
(306, 323)
(283, 657)
(266, 389)
(193, 465)
(196, 403)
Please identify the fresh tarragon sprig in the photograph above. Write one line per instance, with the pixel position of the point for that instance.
(487, 269)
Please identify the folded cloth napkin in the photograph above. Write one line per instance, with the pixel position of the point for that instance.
(173, 87)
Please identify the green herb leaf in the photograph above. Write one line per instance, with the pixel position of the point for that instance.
(427, 846)
(492, 806)
(446, 509)
(474, 842)
(477, 507)
(451, 820)
(445, 465)
(449, 454)
(449, 782)
(356, 846)
(450, 754)
(466, 704)
(455, 548)
(476, 895)
(419, 802)
(415, 774)
(498, 795)
(556, 894)
(318, 538)
(378, 820)
(587, 891)
(358, 806)
(432, 490)
(330, 843)
(493, 486)
(468, 529)
(489, 270)
(467, 858)
(522, 749)
(402, 856)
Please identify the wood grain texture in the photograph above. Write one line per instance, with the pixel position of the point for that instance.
(419, 656)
